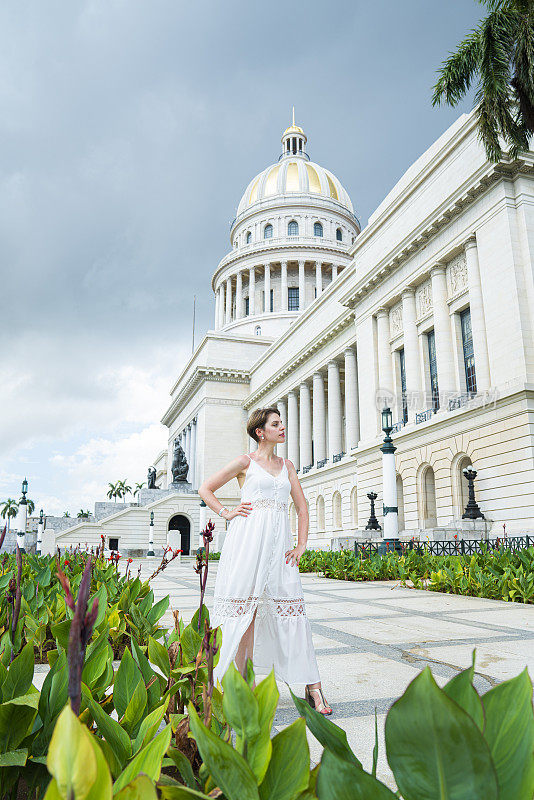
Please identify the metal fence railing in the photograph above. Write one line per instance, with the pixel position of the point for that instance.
(448, 548)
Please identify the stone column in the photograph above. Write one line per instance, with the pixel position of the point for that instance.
(282, 407)
(150, 552)
(305, 428)
(334, 409)
(40, 528)
(318, 279)
(228, 314)
(367, 378)
(443, 336)
(412, 361)
(217, 301)
(302, 286)
(319, 418)
(193, 452)
(478, 321)
(334, 271)
(252, 291)
(283, 285)
(239, 295)
(293, 428)
(222, 288)
(389, 490)
(385, 361)
(22, 523)
(352, 415)
(267, 288)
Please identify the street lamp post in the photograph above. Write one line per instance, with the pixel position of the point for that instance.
(40, 527)
(472, 510)
(389, 479)
(150, 552)
(23, 511)
(373, 524)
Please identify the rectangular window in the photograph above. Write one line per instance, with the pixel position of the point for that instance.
(432, 364)
(469, 354)
(246, 307)
(402, 365)
(272, 300)
(293, 298)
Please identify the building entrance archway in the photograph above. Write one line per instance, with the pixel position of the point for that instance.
(179, 533)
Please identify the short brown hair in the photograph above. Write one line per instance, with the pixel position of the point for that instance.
(258, 419)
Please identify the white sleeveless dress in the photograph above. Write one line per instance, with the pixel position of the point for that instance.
(253, 574)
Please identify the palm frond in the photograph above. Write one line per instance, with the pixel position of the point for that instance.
(458, 70)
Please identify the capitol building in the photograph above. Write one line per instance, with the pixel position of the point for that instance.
(429, 308)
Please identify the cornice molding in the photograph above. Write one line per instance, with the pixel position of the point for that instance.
(436, 222)
(198, 376)
(333, 330)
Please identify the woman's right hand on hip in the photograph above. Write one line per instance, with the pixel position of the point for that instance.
(242, 510)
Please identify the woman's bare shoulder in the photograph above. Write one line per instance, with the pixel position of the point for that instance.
(290, 467)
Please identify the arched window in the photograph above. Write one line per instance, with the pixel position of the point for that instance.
(249, 237)
(354, 506)
(317, 229)
(339, 235)
(459, 482)
(336, 508)
(427, 488)
(320, 513)
(268, 232)
(293, 228)
(257, 330)
(400, 504)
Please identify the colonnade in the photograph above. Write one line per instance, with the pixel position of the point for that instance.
(228, 291)
(188, 441)
(322, 420)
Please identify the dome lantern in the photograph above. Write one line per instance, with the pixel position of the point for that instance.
(294, 140)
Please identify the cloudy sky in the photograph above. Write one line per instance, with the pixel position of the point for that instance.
(129, 131)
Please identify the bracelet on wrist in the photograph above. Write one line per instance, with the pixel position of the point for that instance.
(220, 511)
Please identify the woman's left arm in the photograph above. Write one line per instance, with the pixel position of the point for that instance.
(301, 507)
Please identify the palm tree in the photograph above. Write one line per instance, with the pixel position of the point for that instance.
(113, 491)
(83, 514)
(9, 509)
(500, 54)
(66, 514)
(31, 506)
(125, 489)
(138, 487)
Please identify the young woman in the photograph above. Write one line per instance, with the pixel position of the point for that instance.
(258, 599)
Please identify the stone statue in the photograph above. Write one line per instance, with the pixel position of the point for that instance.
(151, 484)
(180, 466)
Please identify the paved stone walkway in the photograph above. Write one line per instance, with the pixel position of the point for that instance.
(373, 638)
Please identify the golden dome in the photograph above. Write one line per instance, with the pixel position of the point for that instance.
(293, 129)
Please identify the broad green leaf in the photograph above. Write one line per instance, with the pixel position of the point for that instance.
(15, 758)
(20, 674)
(340, 780)
(259, 749)
(229, 770)
(52, 793)
(110, 729)
(159, 655)
(95, 664)
(183, 765)
(509, 733)
(461, 690)
(204, 616)
(16, 720)
(149, 726)
(191, 643)
(126, 680)
(181, 793)
(134, 712)
(148, 673)
(102, 596)
(76, 762)
(158, 610)
(239, 704)
(141, 788)
(288, 771)
(434, 748)
(60, 632)
(148, 761)
(329, 735)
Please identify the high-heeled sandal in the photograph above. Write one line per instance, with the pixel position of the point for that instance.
(311, 701)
